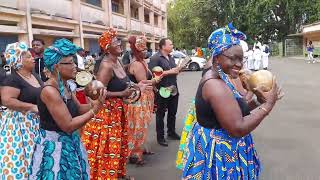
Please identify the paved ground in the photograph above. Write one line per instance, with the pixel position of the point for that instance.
(286, 141)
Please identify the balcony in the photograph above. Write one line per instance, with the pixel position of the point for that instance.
(92, 14)
(10, 3)
(61, 8)
(148, 28)
(119, 21)
(135, 25)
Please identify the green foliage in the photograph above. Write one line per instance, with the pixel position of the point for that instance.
(190, 22)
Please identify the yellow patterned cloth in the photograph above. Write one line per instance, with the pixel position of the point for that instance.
(189, 122)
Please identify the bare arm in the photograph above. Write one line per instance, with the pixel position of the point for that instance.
(228, 112)
(60, 113)
(9, 98)
(137, 69)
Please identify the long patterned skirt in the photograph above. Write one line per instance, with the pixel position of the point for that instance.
(18, 133)
(60, 156)
(139, 116)
(105, 138)
(213, 154)
(189, 122)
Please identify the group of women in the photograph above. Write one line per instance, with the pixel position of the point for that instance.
(46, 133)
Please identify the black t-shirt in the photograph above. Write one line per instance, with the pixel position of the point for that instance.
(127, 58)
(159, 60)
(28, 93)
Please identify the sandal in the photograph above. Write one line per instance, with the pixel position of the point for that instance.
(148, 153)
(133, 160)
(140, 163)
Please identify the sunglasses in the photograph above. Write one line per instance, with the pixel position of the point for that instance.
(232, 58)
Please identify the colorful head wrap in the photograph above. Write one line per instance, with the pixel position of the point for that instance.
(54, 54)
(135, 43)
(13, 54)
(141, 42)
(105, 39)
(60, 48)
(224, 38)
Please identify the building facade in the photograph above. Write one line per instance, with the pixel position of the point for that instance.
(81, 21)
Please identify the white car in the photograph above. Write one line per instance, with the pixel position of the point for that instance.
(196, 64)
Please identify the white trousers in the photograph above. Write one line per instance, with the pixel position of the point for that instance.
(310, 56)
(265, 61)
(257, 64)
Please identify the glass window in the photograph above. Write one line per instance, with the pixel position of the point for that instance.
(93, 2)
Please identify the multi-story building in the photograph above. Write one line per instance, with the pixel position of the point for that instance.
(81, 21)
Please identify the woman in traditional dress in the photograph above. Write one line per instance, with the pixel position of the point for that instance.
(19, 126)
(105, 137)
(59, 153)
(139, 114)
(220, 145)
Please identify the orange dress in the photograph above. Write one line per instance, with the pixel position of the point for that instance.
(105, 138)
(139, 115)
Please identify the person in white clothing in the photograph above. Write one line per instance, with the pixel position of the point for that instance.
(244, 46)
(257, 54)
(265, 56)
(250, 59)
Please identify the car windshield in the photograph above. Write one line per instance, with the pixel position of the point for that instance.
(178, 54)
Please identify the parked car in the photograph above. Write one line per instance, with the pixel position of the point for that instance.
(196, 64)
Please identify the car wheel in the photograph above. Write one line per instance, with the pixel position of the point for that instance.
(194, 67)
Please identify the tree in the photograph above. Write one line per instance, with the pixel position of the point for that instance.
(190, 22)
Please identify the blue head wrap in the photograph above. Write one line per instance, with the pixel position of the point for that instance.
(221, 40)
(60, 48)
(53, 55)
(224, 38)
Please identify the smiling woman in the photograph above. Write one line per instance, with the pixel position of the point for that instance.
(20, 123)
(220, 145)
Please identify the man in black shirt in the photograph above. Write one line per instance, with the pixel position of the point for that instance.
(37, 52)
(166, 61)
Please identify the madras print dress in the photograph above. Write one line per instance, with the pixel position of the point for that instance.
(106, 140)
(139, 115)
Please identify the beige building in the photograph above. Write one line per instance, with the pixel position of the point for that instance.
(81, 21)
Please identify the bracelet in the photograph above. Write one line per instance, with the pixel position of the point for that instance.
(264, 109)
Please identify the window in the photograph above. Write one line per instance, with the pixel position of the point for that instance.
(156, 20)
(117, 6)
(134, 12)
(147, 18)
(93, 2)
(177, 54)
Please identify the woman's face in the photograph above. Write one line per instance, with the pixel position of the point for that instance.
(115, 47)
(231, 61)
(28, 61)
(67, 68)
